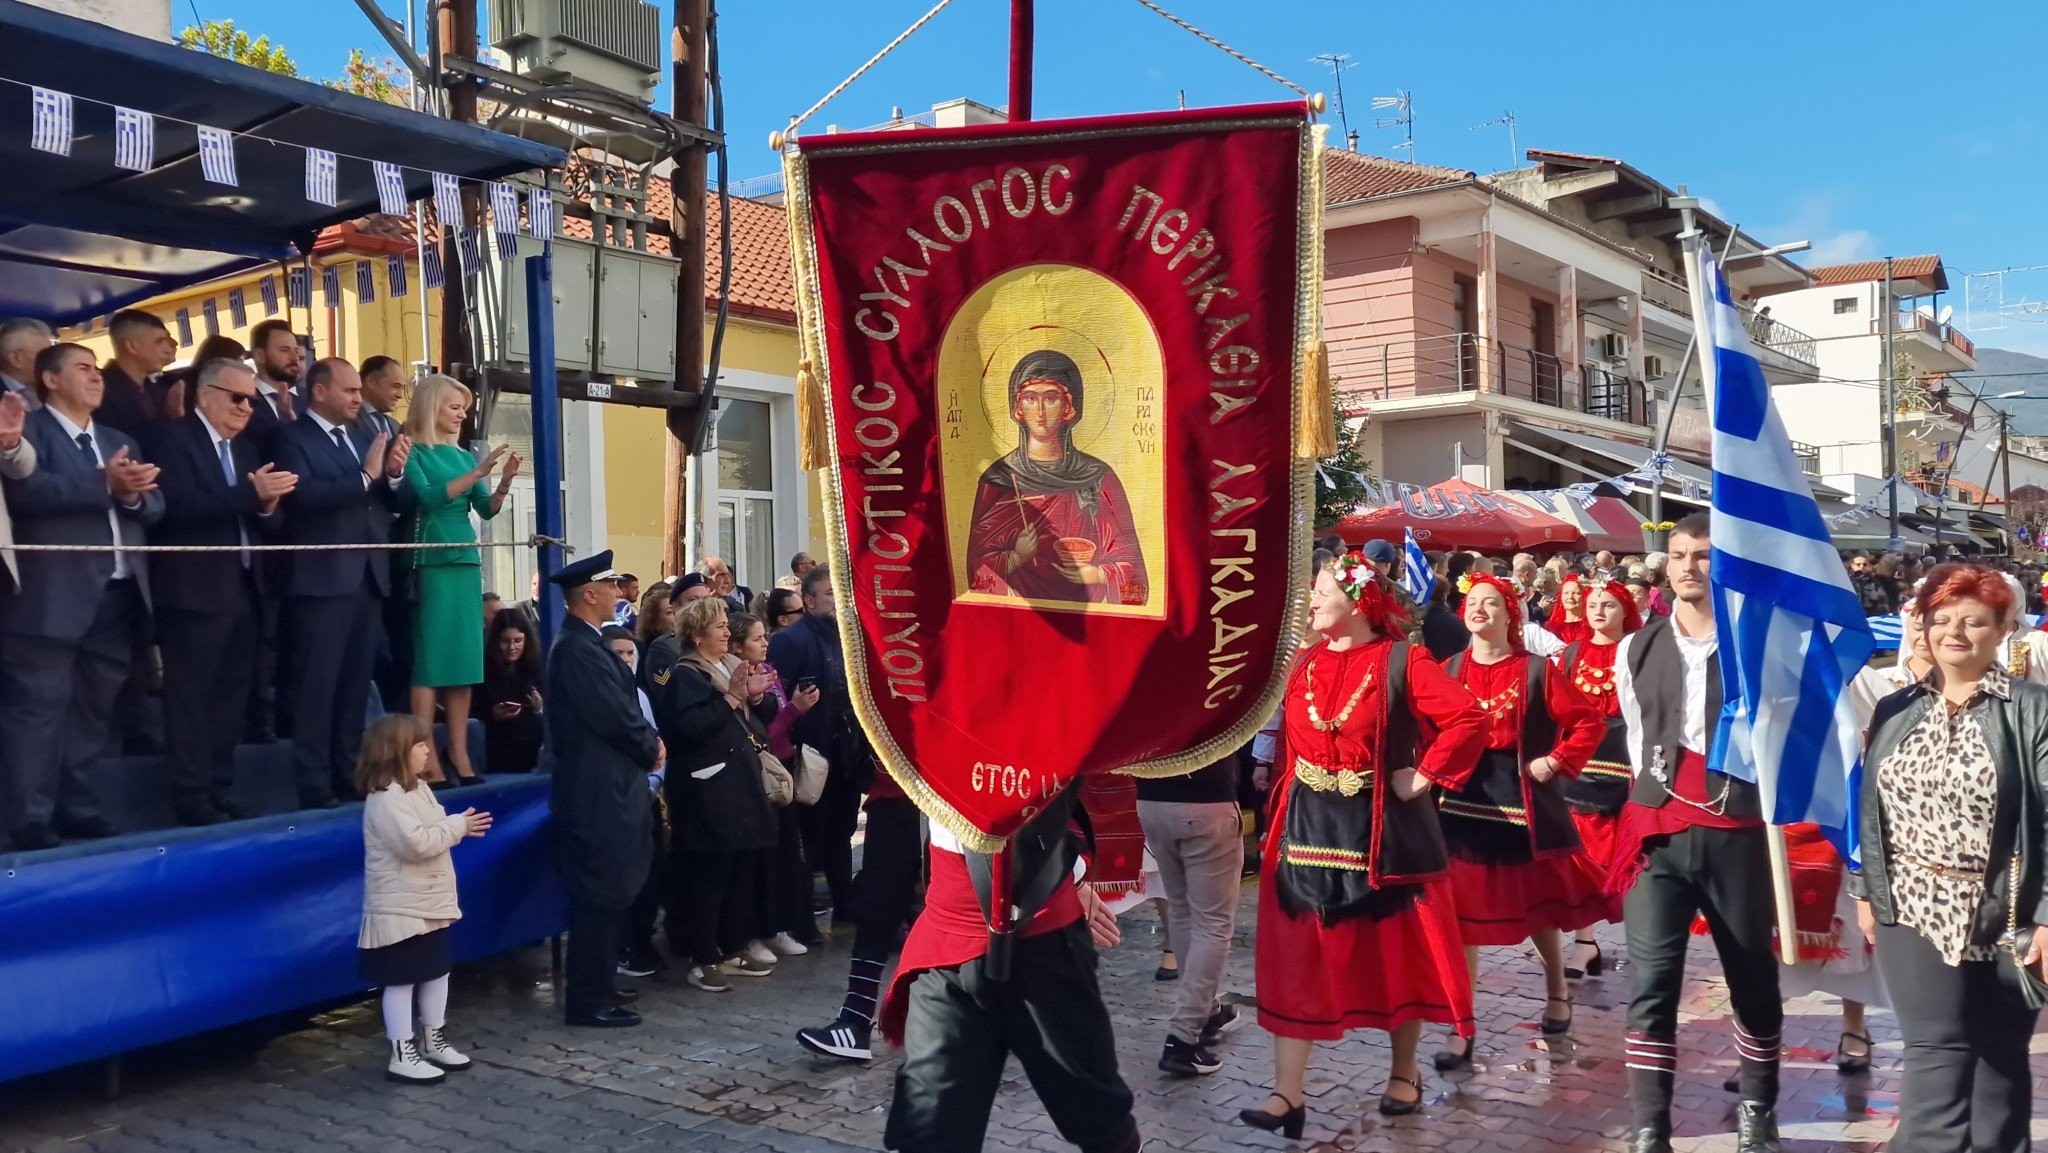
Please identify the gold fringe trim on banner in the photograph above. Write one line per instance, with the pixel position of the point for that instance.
(812, 441)
(1316, 436)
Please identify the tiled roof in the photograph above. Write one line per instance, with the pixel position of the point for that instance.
(1350, 176)
(762, 285)
(1903, 268)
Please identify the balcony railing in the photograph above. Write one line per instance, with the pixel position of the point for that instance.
(1774, 334)
(1809, 457)
(1462, 362)
(1927, 326)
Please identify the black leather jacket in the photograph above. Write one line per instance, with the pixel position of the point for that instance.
(2016, 731)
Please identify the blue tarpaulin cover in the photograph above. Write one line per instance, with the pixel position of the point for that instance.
(80, 237)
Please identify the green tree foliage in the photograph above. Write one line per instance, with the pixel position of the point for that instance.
(221, 38)
(1340, 487)
(380, 80)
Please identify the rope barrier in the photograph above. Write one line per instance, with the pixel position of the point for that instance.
(789, 134)
(1241, 57)
(535, 541)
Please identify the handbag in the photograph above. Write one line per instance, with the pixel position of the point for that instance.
(775, 778)
(2016, 941)
(811, 769)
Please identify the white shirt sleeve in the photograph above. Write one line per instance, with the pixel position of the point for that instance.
(1631, 709)
(1266, 742)
(1540, 641)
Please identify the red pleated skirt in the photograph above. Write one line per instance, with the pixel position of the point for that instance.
(1599, 832)
(1317, 981)
(1506, 904)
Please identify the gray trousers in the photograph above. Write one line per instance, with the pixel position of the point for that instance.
(1200, 852)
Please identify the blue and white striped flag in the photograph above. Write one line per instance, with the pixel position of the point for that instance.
(268, 287)
(394, 274)
(390, 188)
(540, 213)
(50, 128)
(447, 200)
(472, 254)
(432, 274)
(366, 282)
(298, 289)
(320, 176)
(330, 286)
(217, 155)
(1416, 575)
(211, 312)
(183, 317)
(134, 139)
(238, 308)
(505, 218)
(1792, 631)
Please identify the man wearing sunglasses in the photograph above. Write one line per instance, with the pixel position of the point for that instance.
(218, 490)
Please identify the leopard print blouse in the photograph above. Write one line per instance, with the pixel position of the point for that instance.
(1939, 788)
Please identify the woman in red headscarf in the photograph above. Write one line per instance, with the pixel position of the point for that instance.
(1515, 854)
(1356, 924)
(1602, 786)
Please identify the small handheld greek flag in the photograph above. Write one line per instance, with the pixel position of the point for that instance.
(217, 155)
(238, 310)
(366, 282)
(394, 274)
(320, 176)
(432, 274)
(447, 200)
(540, 213)
(184, 318)
(211, 312)
(134, 139)
(50, 129)
(297, 290)
(1416, 575)
(330, 286)
(390, 188)
(505, 218)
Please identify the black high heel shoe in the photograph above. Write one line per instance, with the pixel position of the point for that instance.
(1449, 1062)
(1593, 968)
(1852, 1063)
(1288, 1124)
(1556, 1026)
(1392, 1106)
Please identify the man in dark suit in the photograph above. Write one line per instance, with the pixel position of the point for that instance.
(67, 637)
(383, 391)
(216, 492)
(20, 340)
(142, 348)
(600, 750)
(349, 486)
(279, 359)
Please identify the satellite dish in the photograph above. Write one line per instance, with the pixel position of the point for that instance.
(1926, 310)
(1947, 311)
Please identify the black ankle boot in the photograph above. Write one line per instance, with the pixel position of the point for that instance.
(1756, 1128)
(1649, 1139)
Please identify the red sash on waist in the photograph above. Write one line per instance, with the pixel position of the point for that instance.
(951, 932)
(1641, 824)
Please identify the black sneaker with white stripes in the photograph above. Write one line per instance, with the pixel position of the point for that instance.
(845, 1038)
(1185, 1060)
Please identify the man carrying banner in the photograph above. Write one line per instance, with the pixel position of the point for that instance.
(1691, 842)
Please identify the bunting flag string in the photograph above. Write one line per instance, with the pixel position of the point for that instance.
(134, 140)
(447, 198)
(540, 213)
(184, 320)
(217, 155)
(431, 273)
(298, 291)
(330, 286)
(238, 310)
(320, 176)
(505, 218)
(366, 282)
(50, 130)
(208, 310)
(390, 188)
(394, 275)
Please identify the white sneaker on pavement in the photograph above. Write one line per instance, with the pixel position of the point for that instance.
(760, 952)
(787, 945)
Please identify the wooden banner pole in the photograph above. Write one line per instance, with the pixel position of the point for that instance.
(1020, 60)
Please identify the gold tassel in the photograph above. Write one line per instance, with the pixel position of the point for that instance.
(811, 450)
(1316, 437)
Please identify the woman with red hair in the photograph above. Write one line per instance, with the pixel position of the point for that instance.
(1600, 790)
(1516, 866)
(1357, 928)
(1568, 623)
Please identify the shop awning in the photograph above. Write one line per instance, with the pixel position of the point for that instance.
(1458, 515)
(1633, 455)
(80, 237)
(1609, 524)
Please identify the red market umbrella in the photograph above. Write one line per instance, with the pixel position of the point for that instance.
(1457, 515)
(1609, 524)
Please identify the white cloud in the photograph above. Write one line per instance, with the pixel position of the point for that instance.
(1843, 247)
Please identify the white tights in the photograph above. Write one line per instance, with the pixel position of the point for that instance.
(398, 1006)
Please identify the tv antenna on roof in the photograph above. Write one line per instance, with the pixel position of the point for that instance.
(1403, 100)
(1337, 62)
(1514, 149)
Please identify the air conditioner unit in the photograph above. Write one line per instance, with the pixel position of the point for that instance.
(1653, 368)
(610, 44)
(1613, 346)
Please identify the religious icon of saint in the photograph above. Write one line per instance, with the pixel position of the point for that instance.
(1052, 522)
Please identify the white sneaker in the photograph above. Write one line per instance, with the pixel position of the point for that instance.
(407, 1068)
(759, 952)
(788, 946)
(435, 1048)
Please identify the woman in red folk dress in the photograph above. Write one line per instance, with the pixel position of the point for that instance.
(1602, 786)
(1568, 623)
(1516, 868)
(1356, 925)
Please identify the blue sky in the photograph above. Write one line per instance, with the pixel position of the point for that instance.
(1875, 128)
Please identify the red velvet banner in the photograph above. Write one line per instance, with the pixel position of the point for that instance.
(1059, 364)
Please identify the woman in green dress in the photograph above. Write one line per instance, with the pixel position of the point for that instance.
(448, 647)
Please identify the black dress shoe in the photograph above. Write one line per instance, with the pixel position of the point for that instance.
(625, 996)
(318, 801)
(199, 815)
(232, 809)
(1649, 1140)
(34, 837)
(84, 828)
(612, 1018)
(1288, 1124)
(1756, 1128)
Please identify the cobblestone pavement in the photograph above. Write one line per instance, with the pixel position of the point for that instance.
(722, 1074)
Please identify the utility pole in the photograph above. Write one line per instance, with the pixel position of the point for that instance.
(1891, 408)
(687, 78)
(455, 35)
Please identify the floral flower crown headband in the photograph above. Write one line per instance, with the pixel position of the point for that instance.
(1354, 574)
(1466, 583)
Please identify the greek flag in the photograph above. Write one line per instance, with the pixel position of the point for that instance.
(134, 139)
(269, 289)
(184, 318)
(505, 218)
(366, 282)
(330, 286)
(390, 188)
(431, 272)
(217, 155)
(472, 254)
(50, 130)
(211, 312)
(298, 289)
(1792, 631)
(394, 274)
(447, 200)
(1416, 575)
(320, 176)
(238, 308)
(540, 213)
